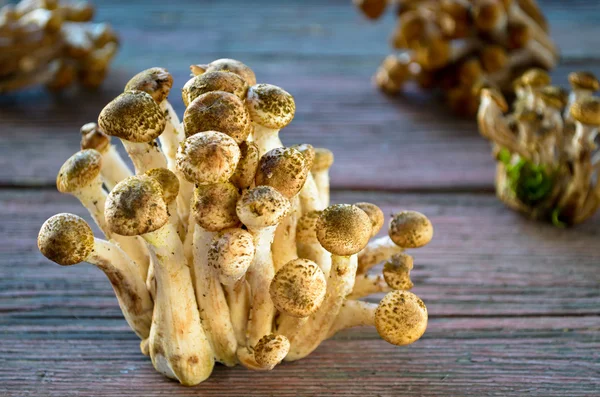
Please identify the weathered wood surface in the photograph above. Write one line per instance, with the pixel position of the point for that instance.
(514, 305)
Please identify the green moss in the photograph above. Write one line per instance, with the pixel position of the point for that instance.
(531, 183)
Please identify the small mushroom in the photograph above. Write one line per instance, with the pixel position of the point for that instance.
(214, 81)
(226, 65)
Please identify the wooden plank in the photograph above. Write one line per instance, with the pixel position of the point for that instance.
(537, 356)
(484, 261)
(408, 142)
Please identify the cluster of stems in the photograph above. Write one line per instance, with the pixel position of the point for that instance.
(547, 159)
(461, 46)
(221, 244)
(54, 43)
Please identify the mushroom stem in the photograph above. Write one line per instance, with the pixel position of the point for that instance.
(353, 313)
(211, 301)
(115, 169)
(144, 155)
(266, 138)
(375, 252)
(517, 15)
(368, 284)
(178, 344)
(284, 240)
(238, 300)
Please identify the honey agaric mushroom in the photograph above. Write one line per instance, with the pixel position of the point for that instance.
(545, 148)
(458, 47)
(136, 119)
(114, 169)
(260, 209)
(178, 344)
(342, 230)
(252, 281)
(271, 109)
(67, 240)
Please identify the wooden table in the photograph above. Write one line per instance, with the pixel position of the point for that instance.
(514, 305)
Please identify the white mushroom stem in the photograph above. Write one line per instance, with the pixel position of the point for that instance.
(320, 179)
(238, 300)
(266, 138)
(284, 241)
(129, 286)
(214, 311)
(145, 155)
(375, 252)
(339, 285)
(259, 276)
(316, 253)
(585, 135)
(353, 314)
(368, 284)
(178, 344)
(114, 169)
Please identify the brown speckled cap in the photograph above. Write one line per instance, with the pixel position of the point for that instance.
(155, 81)
(133, 116)
(136, 206)
(584, 80)
(213, 81)
(168, 181)
(298, 288)
(244, 174)
(410, 229)
(308, 151)
(66, 239)
(218, 111)
(396, 271)
(213, 206)
(231, 252)
(285, 169)
(536, 78)
(227, 65)
(375, 215)
(401, 318)
(554, 96)
(208, 157)
(79, 171)
(306, 228)
(586, 110)
(93, 138)
(271, 349)
(270, 106)
(323, 159)
(262, 206)
(343, 229)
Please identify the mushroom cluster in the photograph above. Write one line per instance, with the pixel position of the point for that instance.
(221, 246)
(460, 46)
(53, 42)
(548, 164)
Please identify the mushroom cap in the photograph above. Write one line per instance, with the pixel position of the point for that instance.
(586, 110)
(245, 172)
(133, 116)
(168, 181)
(519, 35)
(323, 159)
(66, 239)
(155, 81)
(218, 111)
(93, 138)
(306, 228)
(536, 78)
(554, 96)
(136, 206)
(261, 207)
(493, 58)
(584, 80)
(375, 215)
(470, 70)
(396, 271)
(214, 81)
(79, 171)
(308, 151)
(372, 9)
(298, 288)
(208, 157)
(343, 229)
(213, 206)
(497, 97)
(401, 318)
(410, 229)
(270, 106)
(233, 66)
(230, 253)
(487, 14)
(285, 169)
(270, 350)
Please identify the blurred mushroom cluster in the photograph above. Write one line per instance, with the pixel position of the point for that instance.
(53, 42)
(461, 46)
(221, 244)
(548, 163)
